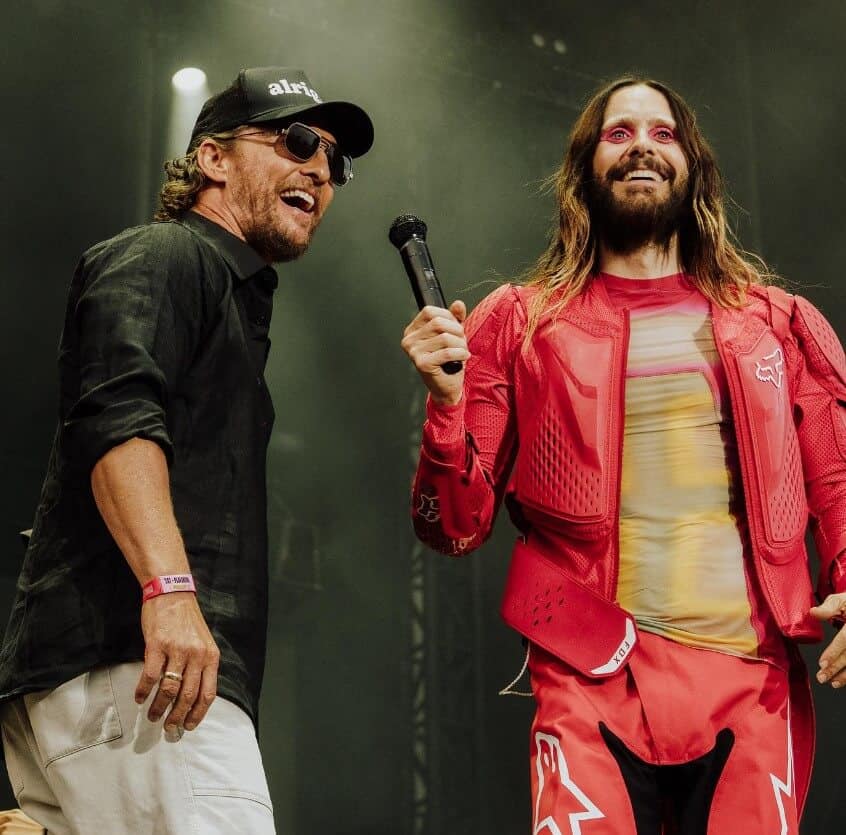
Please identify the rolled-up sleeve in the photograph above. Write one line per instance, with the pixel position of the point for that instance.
(132, 327)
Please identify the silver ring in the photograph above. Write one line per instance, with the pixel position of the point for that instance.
(172, 676)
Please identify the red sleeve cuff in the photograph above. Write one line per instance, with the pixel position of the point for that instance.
(443, 431)
(445, 424)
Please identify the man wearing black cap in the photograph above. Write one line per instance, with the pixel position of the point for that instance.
(143, 592)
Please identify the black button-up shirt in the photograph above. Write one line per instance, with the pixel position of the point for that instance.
(165, 339)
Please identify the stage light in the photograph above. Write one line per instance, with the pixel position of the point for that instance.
(189, 80)
(189, 90)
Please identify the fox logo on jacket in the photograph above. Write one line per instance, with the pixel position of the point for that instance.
(769, 368)
(429, 508)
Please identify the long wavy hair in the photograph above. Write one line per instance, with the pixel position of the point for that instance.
(185, 179)
(722, 270)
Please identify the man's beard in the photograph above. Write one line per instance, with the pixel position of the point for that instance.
(626, 224)
(274, 246)
(262, 230)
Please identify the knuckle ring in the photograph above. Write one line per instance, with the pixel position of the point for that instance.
(172, 676)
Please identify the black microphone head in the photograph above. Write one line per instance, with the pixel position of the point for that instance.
(404, 228)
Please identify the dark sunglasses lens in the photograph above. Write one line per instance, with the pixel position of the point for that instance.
(340, 166)
(302, 142)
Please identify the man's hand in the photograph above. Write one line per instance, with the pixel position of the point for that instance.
(436, 336)
(177, 640)
(15, 822)
(131, 486)
(833, 659)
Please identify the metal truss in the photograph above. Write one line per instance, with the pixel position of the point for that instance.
(445, 653)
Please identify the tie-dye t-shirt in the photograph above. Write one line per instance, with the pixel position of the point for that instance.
(681, 550)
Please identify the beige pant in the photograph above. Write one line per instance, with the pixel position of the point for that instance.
(83, 759)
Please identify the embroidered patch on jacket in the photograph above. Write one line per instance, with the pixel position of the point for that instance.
(429, 508)
(461, 545)
(769, 368)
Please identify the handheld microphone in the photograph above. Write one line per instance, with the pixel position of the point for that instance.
(408, 235)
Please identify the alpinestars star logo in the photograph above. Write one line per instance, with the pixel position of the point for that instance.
(550, 763)
(769, 368)
(784, 788)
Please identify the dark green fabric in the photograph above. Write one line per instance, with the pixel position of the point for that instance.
(165, 338)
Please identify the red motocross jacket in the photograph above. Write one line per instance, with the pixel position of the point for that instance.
(542, 426)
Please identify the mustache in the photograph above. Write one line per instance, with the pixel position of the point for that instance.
(618, 171)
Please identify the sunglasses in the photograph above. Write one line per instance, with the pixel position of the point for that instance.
(302, 143)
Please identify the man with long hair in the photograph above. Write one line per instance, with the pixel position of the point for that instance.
(662, 422)
(143, 593)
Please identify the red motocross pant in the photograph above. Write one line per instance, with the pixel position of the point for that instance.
(683, 741)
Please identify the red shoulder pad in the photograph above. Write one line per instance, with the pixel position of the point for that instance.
(489, 316)
(781, 309)
(820, 346)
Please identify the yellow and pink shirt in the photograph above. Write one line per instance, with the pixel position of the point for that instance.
(682, 558)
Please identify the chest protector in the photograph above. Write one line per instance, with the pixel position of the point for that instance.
(569, 394)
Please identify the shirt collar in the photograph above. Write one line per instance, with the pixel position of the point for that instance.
(244, 261)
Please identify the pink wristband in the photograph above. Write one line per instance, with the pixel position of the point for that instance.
(166, 584)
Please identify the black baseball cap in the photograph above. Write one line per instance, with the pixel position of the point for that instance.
(271, 94)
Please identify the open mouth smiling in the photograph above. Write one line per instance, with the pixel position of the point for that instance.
(642, 175)
(299, 199)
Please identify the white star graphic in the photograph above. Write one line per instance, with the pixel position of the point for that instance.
(784, 788)
(550, 755)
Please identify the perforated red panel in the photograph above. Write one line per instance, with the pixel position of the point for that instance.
(821, 345)
(788, 508)
(557, 476)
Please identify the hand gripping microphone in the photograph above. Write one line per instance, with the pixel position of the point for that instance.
(408, 235)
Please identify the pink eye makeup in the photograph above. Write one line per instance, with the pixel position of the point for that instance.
(662, 133)
(618, 134)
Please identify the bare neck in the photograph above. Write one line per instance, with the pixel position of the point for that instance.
(647, 262)
(211, 206)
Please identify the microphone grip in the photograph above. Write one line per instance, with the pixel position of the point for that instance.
(424, 284)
